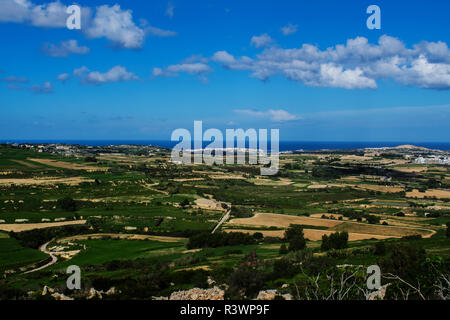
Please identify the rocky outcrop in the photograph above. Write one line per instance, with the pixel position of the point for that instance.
(198, 294)
(88, 294)
(272, 295)
(60, 296)
(379, 294)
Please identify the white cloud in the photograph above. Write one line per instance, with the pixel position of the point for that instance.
(49, 15)
(110, 22)
(190, 68)
(14, 10)
(289, 29)
(63, 77)
(274, 115)
(80, 71)
(334, 76)
(261, 41)
(14, 79)
(12, 86)
(427, 75)
(199, 69)
(160, 32)
(223, 57)
(42, 89)
(170, 9)
(116, 25)
(64, 49)
(356, 65)
(115, 74)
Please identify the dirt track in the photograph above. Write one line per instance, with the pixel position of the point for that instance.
(19, 227)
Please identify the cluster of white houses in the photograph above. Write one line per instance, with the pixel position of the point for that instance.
(433, 160)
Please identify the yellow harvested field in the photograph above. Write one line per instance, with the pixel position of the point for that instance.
(351, 178)
(269, 182)
(72, 181)
(24, 163)
(318, 186)
(68, 165)
(124, 237)
(386, 189)
(226, 177)
(206, 268)
(355, 158)
(440, 194)
(391, 231)
(188, 179)
(19, 227)
(281, 221)
(411, 169)
(312, 234)
(319, 215)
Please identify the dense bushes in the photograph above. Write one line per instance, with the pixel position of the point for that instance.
(326, 172)
(379, 249)
(336, 240)
(35, 238)
(241, 212)
(68, 204)
(220, 239)
(248, 278)
(404, 261)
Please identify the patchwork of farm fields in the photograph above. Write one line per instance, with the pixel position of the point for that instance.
(132, 217)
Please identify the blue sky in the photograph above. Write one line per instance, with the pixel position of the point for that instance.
(140, 69)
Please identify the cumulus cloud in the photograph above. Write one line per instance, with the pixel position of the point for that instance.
(63, 77)
(80, 71)
(14, 79)
(45, 88)
(117, 25)
(110, 22)
(357, 64)
(199, 69)
(64, 48)
(48, 15)
(115, 74)
(261, 41)
(289, 29)
(274, 115)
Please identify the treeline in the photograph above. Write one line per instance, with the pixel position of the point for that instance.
(37, 237)
(338, 240)
(220, 239)
(356, 215)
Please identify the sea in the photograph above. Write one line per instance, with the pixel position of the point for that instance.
(283, 145)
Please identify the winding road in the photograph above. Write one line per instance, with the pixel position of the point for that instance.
(43, 248)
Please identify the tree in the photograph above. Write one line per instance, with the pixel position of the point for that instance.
(448, 230)
(258, 236)
(67, 204)
(90, 159)
(283, 249)
(295, 237)
(372, 219)
(338, 240)
(404, 261)
(184, 203)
